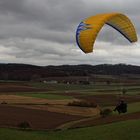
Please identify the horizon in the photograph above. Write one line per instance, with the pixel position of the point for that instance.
(69, 64)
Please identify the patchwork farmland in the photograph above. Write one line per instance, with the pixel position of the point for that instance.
(45, 106)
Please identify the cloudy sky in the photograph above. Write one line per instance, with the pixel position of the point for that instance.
(42, 32)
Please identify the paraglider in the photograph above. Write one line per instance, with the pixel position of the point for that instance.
(89, 28)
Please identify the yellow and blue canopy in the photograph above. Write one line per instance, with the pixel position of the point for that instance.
(89, 28)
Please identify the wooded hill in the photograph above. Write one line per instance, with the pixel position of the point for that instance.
(30, 72)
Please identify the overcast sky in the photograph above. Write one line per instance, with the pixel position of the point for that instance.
(42, 32)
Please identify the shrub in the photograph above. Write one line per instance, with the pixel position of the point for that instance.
(3, 102)
(82, 104)
(105, 112)
(24, 125)
(124, 91)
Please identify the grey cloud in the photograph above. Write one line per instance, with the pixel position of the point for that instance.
(43, 32)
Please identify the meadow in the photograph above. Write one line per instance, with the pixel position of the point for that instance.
(128, 130)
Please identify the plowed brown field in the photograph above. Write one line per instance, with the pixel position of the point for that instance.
(18, 87)
(11, 116)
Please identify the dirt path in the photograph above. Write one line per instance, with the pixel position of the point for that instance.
(72, 123)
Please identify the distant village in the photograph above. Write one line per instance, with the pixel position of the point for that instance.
(68, 80)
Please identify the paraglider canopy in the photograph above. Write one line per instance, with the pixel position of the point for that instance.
(89, 28)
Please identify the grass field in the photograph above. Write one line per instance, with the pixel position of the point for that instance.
(89, 89)
(133, 107)
(46, 96)
(128, 130)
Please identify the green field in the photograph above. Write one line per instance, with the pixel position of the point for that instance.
(46, 96)
(91, 89)
(128, 130)
(134, 107)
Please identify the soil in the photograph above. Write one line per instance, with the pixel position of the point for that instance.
(11, 116)
(18, 87)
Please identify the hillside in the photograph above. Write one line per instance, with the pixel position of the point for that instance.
(26, 72)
